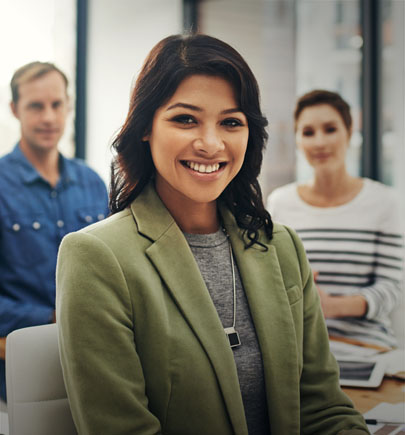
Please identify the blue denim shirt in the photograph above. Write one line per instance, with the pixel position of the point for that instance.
(34, 216)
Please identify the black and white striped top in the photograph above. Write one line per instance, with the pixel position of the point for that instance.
(357, 248)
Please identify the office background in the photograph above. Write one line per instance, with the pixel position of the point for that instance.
(355, 47)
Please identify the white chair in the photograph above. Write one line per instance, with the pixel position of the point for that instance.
(36, 397)
(3, 418)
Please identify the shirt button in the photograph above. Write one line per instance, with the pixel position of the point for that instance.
(60, 223)
(88, 219)
(16, 227)
(54, 194)
(36, 225)
(100, 216)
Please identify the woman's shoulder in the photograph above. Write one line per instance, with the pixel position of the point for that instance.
(374, 187)
(378, 197)
(282, 194)
(280, 191)
(282, 232)
(290, 250)
(111, 224)
(283, 237)
(110, 231)
(115, 240)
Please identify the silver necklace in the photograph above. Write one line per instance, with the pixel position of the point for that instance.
(231, 332)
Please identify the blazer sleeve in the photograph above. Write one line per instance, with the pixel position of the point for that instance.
(101, 368)
(325, 409)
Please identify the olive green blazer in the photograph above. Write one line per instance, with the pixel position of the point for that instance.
(143, 350)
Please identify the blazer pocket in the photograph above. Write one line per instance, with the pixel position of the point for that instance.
(294, 294)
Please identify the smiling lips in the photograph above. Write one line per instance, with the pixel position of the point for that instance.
(202, 168)
(321, 155)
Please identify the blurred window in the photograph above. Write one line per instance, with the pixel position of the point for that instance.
(393, 91)
(263, 32)
(42, 30)
(328, 56)
(293, 47)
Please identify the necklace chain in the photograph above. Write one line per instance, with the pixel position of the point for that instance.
(232, 334)
(233, 284)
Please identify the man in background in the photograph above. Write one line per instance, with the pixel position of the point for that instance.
(43, 196)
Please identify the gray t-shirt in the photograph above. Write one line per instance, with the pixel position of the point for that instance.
(211, 252)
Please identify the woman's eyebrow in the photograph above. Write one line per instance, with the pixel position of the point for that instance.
(185, 106)
(199, 109)
(233, 110)
(331, 122)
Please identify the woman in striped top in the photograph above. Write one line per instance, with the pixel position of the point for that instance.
(350, 226)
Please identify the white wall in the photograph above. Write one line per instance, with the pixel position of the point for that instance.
(263, 32)
(395, 103)
(120, 35)
(49, 36)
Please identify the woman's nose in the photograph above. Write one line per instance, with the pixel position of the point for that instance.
(319, 140)
(210, 142)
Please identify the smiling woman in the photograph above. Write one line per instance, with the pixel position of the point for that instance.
(187, 303)
(350, 226)
(198, 143)
(161, 76)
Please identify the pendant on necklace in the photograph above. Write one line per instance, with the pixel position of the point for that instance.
(233, 336)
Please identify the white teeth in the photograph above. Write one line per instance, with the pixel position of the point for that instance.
(203, 169)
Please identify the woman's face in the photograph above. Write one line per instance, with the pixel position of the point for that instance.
(323, 137)
(198, 141)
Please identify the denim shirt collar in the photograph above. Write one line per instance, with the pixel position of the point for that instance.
(29, 174)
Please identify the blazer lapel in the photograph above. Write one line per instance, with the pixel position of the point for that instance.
(172, 257)
(268, 302)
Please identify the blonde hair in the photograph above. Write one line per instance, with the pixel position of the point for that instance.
(29, 72)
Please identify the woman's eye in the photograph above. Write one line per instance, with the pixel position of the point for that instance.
(184, 119)
(308, 133)
(330, 129)
(232, 122)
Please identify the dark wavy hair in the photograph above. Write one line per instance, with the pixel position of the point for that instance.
(321, 96)
(171, 61)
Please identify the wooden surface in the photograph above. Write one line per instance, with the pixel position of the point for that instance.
(364, 399)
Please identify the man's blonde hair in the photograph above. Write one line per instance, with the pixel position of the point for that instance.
(29, 72)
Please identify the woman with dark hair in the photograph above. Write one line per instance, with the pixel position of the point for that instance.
(350, 226)
(186, 312)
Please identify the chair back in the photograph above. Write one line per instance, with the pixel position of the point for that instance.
(36, 397)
